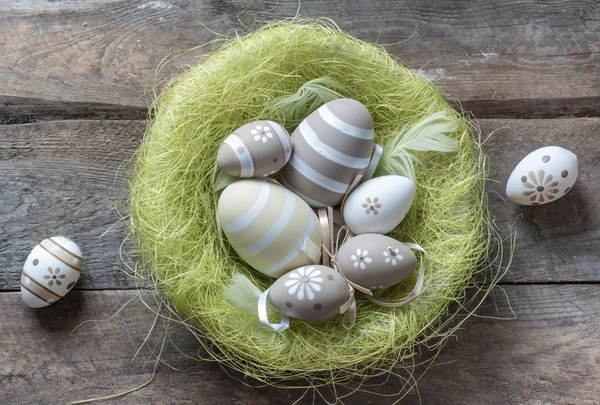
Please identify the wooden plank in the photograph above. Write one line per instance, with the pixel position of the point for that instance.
(556, 242)
(548, 355)
(64, 178)
(499, 59)
(67, 178)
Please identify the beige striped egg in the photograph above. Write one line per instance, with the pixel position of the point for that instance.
(269, 227)
(50, 271)
(257, 149)
(331, 147)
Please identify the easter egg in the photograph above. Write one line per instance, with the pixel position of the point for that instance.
(331, 147)
(375, 261)
(269, 227)
(310, 293)
(379, 205)
(50, 271)
(257, 149)
(543, 176)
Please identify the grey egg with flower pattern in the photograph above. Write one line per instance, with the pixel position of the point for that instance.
(50, 271)
(257, 149)
(375, 261)
(310, 293)
(331, 147)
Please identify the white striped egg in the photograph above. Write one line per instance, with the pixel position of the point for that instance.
(257, 149)
(270, 228)
(50, 271)
(331, 147)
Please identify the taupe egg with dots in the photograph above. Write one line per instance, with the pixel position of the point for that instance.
(310, 293)
(375, 261)
(50, 271)
(257, 149)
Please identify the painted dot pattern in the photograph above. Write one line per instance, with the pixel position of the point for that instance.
(546, 159)
(524, 179)
(564, 174)
(288, 304)
(330, 277)
(36, 262)
(317, 306)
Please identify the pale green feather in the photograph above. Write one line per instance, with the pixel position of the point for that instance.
(243, 295)
(425, 136)
(311, 95)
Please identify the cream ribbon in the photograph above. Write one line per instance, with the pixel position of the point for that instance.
(264, 319)
(349, 308)
(417, 290)
(374, 162)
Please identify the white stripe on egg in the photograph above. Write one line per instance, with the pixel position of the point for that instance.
(246, 162)
(306, 199)
(343, 126)
(310, 226)
(276, 229)
(316, 177)
(328, 152)
(284, 138)
(246, 219)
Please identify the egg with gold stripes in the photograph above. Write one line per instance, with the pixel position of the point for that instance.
(257, 149)
(50, 271)
(332, 146)
(269, 227)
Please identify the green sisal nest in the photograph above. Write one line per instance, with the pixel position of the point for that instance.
(173, 199)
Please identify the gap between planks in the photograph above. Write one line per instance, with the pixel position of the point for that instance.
(17, 110)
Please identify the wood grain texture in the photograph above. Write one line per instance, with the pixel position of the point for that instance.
(548, 355)
(65, 178)
(499, 59)
(68, 177)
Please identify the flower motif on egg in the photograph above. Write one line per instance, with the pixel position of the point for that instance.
(372, 205)
(262, 133)
(304, 280)
(539, 188)
(54, 276)
(360, 258)
(392, 255)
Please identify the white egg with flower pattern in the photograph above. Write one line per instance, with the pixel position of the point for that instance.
(379, 205)
(50, 271)
(310, 293)
(543, 176)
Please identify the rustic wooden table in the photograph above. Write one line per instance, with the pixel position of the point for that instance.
(71, 76)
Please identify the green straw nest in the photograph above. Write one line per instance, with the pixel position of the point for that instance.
(173, 199)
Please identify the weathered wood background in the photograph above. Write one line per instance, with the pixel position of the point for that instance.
(72, 78)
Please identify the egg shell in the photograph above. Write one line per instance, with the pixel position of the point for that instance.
(331, 147)
(257, 149)
(379, 205)
(310, 293)
(269, 227)
(50, 271)
(543, 176)
(375, 261)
